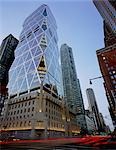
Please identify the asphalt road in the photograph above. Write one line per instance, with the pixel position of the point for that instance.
(86, 143)
(39, 146)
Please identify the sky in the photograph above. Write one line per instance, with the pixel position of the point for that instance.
(79, 25)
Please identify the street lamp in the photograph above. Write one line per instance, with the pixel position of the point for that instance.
(90, 80)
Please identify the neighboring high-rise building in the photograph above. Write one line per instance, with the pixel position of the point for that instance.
(107, 10)
(72, 90)
(7, 49)
(107, 55)
(93, 107)
(107, 62)
(34, 106)
(102, 121)
(93, 123)
(90, 121)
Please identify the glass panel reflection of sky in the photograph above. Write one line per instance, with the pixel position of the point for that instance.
(38, 38)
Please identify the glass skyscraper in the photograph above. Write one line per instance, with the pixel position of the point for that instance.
(71, 84)
(93, 107)
(37, 55)
(7, 49)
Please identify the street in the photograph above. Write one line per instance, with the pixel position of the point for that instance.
(85, 143)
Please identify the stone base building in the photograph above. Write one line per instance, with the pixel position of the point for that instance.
(38, 115)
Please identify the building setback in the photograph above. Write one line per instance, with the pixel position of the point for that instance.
(72, 89)
(7, 50)
(34, 107)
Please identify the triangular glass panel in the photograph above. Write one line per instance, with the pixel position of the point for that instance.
(27, 64)
(30, 43)
(40, 22)
(45, 12)
(19, 81)
(35, 82)
(32, 67)
(18, 70)
(11, 73)
(25, 56)
(26, 48)
(38, 51)
(31, 37)
(30, 77)
(22, 72)
(24, 86)
(34, 43)
(33, 50)
(14, 90)
(15, 87)
(20, 61)
(36, 60)
(28, 56)
(39, 38)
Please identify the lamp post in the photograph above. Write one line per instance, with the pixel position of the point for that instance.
(90, 80)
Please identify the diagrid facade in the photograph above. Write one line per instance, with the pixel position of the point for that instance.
(37, 48)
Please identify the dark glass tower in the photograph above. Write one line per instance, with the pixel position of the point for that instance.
(37, 52)
(7, 49)
(93, 107)
(107, 9)
(72, 90)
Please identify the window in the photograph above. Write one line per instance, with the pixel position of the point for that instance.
(36, 29)
(32, 108)
(29, 34)
(20, 123)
